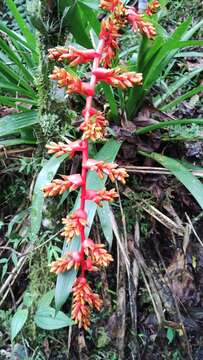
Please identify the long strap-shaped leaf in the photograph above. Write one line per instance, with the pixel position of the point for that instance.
(192, 183)
(14, 123)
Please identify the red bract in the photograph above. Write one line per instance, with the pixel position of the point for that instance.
(73, 55)
(117, 78)
(90, 256)
(79, 87)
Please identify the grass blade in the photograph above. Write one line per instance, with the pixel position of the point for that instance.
(165, 124)
(21, 23)
(180, 99)
(176, 85)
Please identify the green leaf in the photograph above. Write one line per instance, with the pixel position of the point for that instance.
(170, 335)
(13, 142)
(154, 60)
(76, 22)
(109, 94)
(10, 87)
(181, 98)
(11, 124)
(190, 54)
(17, 322)
(45, 176)
(13, 35)
(21, 23)
(106, 225)
(46, 318)
(91, 16)
(165, 124)
(192, 183)
(13, 100)
(65, 280)
(13, 76)
(46, 299)
(16, 60)
(93, 4)
(176, 85)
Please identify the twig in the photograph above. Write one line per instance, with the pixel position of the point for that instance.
(132, 288)
(193, 229)
(157, 170)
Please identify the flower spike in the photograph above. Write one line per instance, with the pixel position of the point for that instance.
(110, 169)
(91, 256)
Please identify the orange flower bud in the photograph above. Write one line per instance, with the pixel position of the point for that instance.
(67, 262)
(73, 55)
(110, 169)
(101, 195)
(139, 24)
(63, 77)
(100, 257)
(110, 34)
(94, 127)
(60, 149)
(152, 8)
(83, 300)
(109, 5)
(58, 186)
(73, 223)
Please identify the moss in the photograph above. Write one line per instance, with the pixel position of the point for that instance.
(40, 282)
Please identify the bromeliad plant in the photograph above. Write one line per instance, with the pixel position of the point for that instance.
(92, 256)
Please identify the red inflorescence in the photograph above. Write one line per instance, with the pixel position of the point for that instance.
(91, 256)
